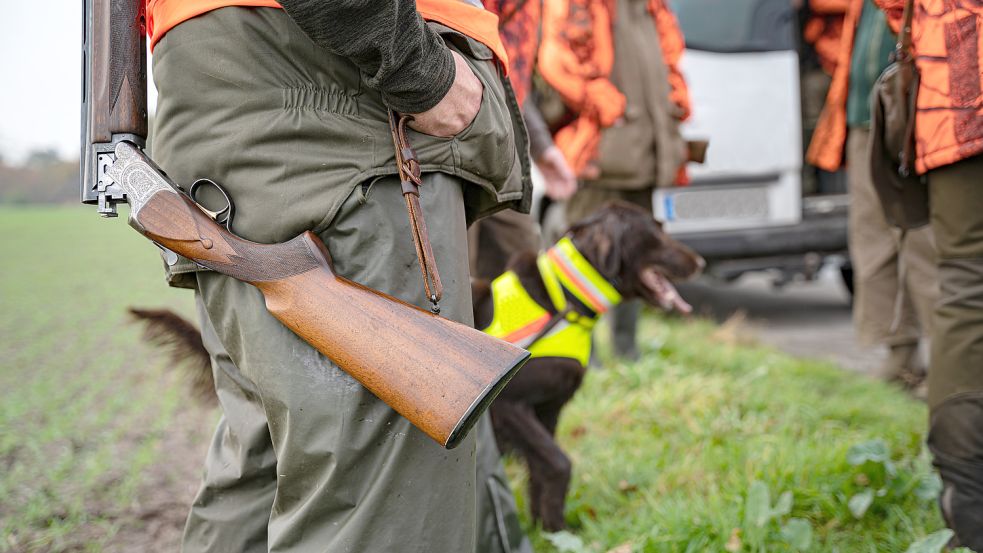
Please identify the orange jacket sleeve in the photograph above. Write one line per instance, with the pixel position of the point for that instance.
(576, 57)
(673, 44)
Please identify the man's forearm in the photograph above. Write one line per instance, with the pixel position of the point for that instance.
(393, 47)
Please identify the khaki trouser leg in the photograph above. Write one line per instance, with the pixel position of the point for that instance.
(232, 508)
(877, 252)
(352, 475)
(956, 378)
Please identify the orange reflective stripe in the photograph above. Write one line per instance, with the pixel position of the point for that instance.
(597, 305)
(479, 24)
(528, 330)
(164, 15)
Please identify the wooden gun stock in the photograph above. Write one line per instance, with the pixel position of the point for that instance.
(439, 374)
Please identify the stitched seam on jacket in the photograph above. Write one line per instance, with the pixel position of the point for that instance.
(319, 99)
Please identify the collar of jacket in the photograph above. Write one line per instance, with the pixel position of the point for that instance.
(565, 270)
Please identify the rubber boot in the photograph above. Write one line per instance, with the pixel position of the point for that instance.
(624, 327)
(956, 440)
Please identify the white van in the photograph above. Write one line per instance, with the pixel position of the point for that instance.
(745, 209)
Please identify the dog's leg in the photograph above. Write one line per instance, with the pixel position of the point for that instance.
(549, 467)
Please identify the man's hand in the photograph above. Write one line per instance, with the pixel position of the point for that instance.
(560, 181)
(457, 109)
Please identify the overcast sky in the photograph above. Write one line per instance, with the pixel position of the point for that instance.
(40, 68)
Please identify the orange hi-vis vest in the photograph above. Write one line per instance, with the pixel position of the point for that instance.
(479, 24)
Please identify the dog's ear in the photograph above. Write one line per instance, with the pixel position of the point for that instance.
(609, 254)
(599, 239)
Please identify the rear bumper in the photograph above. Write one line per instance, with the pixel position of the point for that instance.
(825, 234)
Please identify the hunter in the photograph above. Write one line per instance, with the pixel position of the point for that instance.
(948, 49)
(288, 108)
(877, 250)
(615, 65)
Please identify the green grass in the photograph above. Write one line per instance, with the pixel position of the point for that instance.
(674, 453)
(82, 404)
(689, 450)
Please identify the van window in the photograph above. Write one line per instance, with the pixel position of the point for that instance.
(737, 25)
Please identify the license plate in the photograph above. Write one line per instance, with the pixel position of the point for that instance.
(728, 203)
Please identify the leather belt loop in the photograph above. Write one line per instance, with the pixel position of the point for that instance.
(410, 181)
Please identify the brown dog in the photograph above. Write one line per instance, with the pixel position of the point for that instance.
(629, 249)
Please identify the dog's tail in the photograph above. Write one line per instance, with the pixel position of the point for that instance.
(182, 340)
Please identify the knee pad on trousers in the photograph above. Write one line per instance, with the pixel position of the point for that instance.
(956, 440)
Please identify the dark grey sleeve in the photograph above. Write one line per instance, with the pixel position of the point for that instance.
(388, 40)
(539, 134)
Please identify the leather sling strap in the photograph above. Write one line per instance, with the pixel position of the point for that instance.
(904, 38)
(409, 178)
(903, 55)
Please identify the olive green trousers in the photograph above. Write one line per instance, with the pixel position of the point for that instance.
(955, 381)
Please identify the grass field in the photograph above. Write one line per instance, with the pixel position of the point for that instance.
(83, 406)
(705, 445)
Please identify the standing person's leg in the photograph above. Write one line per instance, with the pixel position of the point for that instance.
(353, 475)
(956, 376)
(232, 509)
(874, 247)
(920, 259)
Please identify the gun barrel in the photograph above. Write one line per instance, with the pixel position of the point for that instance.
(114, 92)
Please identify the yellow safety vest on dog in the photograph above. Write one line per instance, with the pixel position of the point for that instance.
(520, 320)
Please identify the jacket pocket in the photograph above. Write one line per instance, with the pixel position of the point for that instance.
(492, 151)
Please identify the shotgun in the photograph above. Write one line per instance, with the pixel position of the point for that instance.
(439, 374)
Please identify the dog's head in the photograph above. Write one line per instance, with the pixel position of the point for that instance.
(629, 247)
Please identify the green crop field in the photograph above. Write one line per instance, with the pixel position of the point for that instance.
(83, 405)
(704, 445)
